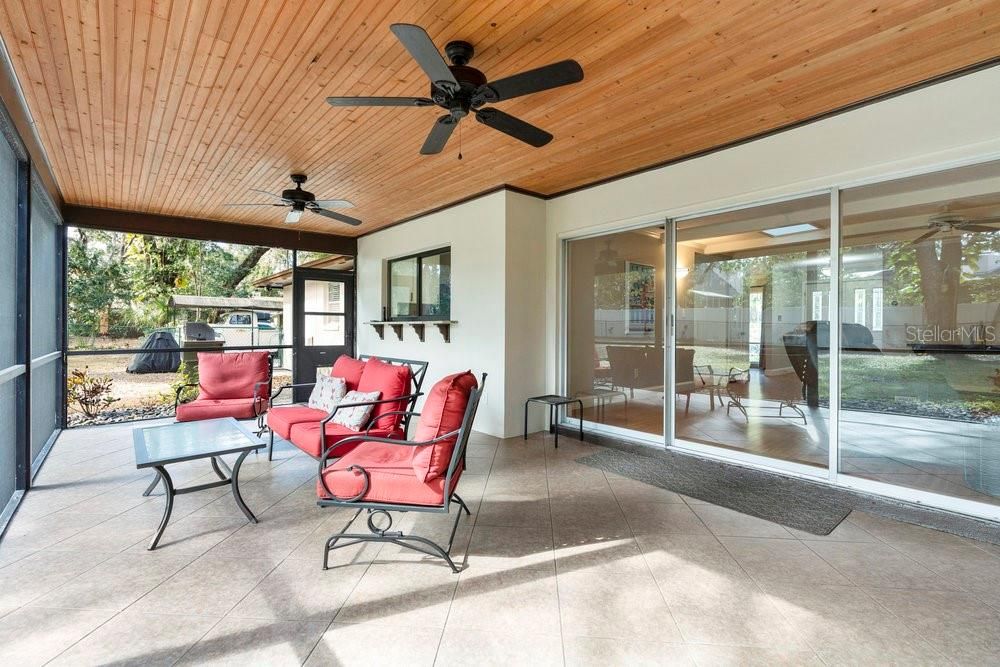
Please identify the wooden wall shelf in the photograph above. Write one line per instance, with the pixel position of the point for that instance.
(419, 326)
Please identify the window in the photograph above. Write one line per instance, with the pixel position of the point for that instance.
(876, 309)
(420, 286)
(241, 319)
(817, 306)
(859, 306)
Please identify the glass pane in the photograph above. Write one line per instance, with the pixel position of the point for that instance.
(45, 274)
(324, 330)
(921, 345)
(615, 328)
(752, 357)
(324, 296)
(403, 288)
(44, 404)
(8, 256)
(435, 286)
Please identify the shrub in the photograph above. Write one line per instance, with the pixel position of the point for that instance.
(187, 373)
(92, 394)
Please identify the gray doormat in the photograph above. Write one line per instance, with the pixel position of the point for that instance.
(789, 501)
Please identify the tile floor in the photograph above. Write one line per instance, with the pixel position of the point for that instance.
(564, 564)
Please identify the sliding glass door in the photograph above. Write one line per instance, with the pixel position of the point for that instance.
(751, 355)
(920, 351)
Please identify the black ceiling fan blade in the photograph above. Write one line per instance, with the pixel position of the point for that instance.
(923, 237)
(332, 203)
(980, 227)
(274, 204)
(269, 194)
(379, 101)
(514, 127)
(340, 217)
(422, 49)
(551, 76)
(439, 135)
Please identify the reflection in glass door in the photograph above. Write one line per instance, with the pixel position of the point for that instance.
(751, 364)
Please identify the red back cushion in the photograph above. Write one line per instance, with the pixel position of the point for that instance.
(348, 368)
(392, 381)
(442, 413)
(231, 374)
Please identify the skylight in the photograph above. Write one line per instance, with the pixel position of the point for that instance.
(790, 229)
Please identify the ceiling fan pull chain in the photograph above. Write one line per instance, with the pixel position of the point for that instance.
(459, 142)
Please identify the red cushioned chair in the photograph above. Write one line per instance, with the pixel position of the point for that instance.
(383, 475)
(312, 431)
(230, 384)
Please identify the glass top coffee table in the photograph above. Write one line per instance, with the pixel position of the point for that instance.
(157, 447)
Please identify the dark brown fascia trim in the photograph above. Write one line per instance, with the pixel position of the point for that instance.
(458, 202)
(12, 97)
(909, 88)
(206, 230)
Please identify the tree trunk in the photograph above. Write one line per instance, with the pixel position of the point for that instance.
(939, 283)
(245, 267)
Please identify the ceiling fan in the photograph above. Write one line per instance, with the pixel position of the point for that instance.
(461, 90)
(948, 222)
(299, 200)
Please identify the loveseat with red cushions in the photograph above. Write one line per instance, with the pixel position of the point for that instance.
(383, 475)
(230, 384)
(312, 430)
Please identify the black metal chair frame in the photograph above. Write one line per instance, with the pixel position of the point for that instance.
(377, 510)
(418, 370)
(257, 398)
(739, 376)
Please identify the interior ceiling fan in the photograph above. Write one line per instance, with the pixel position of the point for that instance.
(943, 223)
(298, 200)
(461, 90)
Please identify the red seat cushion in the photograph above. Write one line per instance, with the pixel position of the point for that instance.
(281, 419)
(392, 381)
(348, 368)
(214, 408)
(224, 375)
(390, 477)
(442, 413)
(305, 436)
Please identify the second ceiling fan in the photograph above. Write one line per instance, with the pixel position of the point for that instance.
(461, 90)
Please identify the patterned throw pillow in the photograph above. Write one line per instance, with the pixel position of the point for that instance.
(355, 418)
(327, 393)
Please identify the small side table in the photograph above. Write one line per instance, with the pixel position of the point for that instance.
(554, 401)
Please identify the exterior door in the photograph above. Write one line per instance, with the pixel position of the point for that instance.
(323, 313)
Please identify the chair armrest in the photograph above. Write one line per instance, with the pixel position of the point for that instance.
(371, 424)
(388, 441)
(257, 397)
(288, 386)
(177, 394)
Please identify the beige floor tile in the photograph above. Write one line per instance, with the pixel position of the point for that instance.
(132, 638)
(401, 594)
(877, 565)
(34, 533)
(743, 656)
(244, 641)
(845, 532)
(730, 523)
(272, 541)
(348, 645)
(10, 555)
(663, 518)
(193, 535)
(514, 510)
(955, 623)
(633, 491)
(33, 636)
(210, 586)
(114, 535)
(625, 606)
(37, 574)
(771, 560)
(845, 625)
(115, 583)
(506, 547)
(311, 548)
(299, 590)
(460, 646)
(600, 552)
(601, 651)
(506, 601)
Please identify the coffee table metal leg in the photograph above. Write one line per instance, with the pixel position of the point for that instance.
(235, 482)
(152, 485)
(222, 471)
(168, 494)
(581, 419)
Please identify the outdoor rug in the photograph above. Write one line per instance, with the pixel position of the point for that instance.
(789, 501)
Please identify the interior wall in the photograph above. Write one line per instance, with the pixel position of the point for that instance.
(949, 122)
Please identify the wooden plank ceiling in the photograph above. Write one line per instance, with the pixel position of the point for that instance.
(179, 106)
